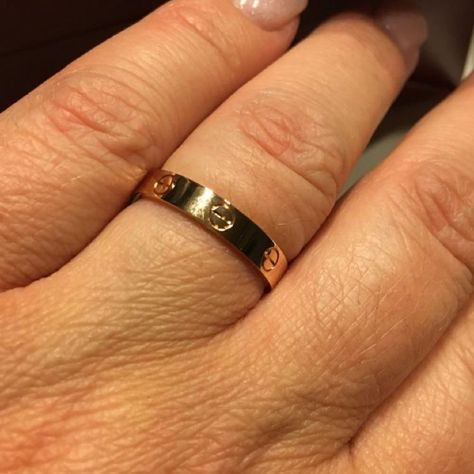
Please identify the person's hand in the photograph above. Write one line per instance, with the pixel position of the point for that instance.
(134, 341)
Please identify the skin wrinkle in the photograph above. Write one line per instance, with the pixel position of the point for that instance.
(428, 416)
(442, 200)
(134, 100)
(284, 135)
(72, 113)
(341, 295)
(465, 279)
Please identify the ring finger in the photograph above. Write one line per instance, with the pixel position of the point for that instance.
(279, 150)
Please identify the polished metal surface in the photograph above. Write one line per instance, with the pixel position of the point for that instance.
(218, 216)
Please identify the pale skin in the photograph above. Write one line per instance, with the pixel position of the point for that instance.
(133, 341)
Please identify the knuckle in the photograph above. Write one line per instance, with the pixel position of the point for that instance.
(443, 199)
(103, 115)
(357, 32)
(280, 127)
(203, 22)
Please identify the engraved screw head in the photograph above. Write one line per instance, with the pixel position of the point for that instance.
(270, 260)
(222, 217)
(164, 184)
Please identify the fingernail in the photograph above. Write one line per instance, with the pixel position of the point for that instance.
(271, 14)
(407, 27)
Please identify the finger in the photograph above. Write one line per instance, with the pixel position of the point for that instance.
(279, 149)
(375, 292)
(73, 151)
(427, 427)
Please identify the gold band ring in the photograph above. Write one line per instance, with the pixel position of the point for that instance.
(220, 217)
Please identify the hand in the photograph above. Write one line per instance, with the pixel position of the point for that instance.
(134, 341)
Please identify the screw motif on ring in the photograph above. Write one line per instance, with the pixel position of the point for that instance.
(222, 217)
(270, 259)
(163, 185)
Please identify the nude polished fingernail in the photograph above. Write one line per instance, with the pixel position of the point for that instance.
(407, 27)
(271, 14)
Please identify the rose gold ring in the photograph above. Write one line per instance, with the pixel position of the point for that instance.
(220, 217)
